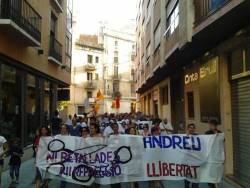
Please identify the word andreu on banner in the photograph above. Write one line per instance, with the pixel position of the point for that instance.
(173, 142)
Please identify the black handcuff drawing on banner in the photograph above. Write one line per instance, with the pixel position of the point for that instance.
(117, 160)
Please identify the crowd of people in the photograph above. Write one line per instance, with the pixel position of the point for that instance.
(95, 126)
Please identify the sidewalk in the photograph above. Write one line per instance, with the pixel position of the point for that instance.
(27, 174)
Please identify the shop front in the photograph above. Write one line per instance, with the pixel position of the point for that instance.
(27, 100)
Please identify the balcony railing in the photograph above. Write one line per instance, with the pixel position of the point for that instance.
(116, 77)
(55, 50)
(22, 14)
(90, 67)
(204, 8)
(91, 85)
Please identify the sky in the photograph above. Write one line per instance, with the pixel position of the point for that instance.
(89, 13)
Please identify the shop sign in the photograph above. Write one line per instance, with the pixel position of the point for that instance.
(190, 78)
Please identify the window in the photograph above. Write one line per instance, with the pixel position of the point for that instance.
(53, 23)
(90, 59)
(96, 59)
(172, 17)
(157, 36)
(68, 45)
(80, 110)
(31, 107)
(190, 103)
(89, 76)
(116, 71)
(164, 95)
(116, 86)
(116, 43)
(89, 94)
(96, 76)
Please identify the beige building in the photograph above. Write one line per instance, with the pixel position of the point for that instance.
(118, 70)
(87, 74)
(35, 59)
(193, 65)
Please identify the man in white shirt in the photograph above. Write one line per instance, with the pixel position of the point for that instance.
(108, 130)
(166, 127)
(3, 149)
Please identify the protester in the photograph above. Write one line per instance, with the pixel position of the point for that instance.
(95, 130)
(115, 128)
(213, 129)
(132, 131)
(191, 131)
(145, 131)
(16, 152)
(108, 130)
(43, 132)
(82, 122)
(166, 127)
(85, 132)
(3, 152)
(74, 129)
(56, 122)
(64, 130)
(69, 121)
(155, 131)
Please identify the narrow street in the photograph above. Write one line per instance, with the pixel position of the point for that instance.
(28, 172)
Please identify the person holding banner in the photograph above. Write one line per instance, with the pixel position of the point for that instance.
(44, 131)
(145, 131)
(191, 131)
(95, 130)
(85, 132)
(213, 129)
(166, 127)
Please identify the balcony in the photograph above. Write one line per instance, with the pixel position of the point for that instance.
(57, 4)
(90, 67)
(91, 85)
(116, 77)
(20, 20)
(55, 51)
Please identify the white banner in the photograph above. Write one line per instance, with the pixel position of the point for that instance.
(127, 158)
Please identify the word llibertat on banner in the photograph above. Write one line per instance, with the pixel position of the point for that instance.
(127, 158)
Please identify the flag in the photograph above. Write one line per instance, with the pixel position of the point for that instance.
(113, 104)
(99, 96)
(97, 107)
(117, 102)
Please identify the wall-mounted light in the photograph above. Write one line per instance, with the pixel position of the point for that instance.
(63, 66)
(40, 51)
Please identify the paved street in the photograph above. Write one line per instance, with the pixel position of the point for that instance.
(28, 172)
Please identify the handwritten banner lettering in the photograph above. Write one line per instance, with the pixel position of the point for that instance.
(127, 158)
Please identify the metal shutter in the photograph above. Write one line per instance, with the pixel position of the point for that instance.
(241, 130)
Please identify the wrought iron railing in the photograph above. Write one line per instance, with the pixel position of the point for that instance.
(23, 14)
(55, 49)
(204, 8)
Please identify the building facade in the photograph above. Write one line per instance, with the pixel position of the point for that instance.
(192, 64)
(87, 74)
(35, 60)
(118, 69)
(105, 63)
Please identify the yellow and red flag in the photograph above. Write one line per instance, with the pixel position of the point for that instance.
(99, 96)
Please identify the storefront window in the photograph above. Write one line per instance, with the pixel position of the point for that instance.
(10, 95)
(47, 102)
(31, 107)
